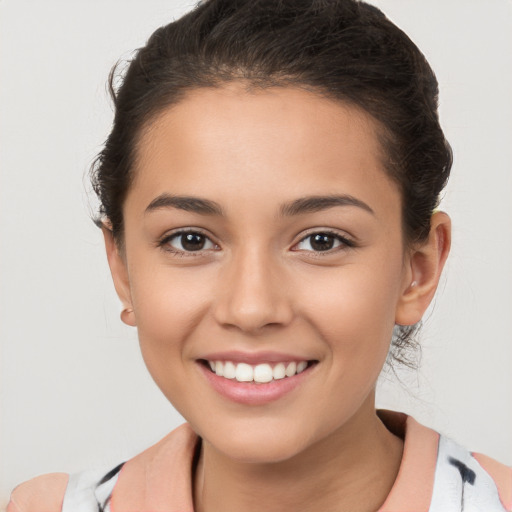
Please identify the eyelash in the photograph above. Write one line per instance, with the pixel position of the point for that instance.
(164, 243)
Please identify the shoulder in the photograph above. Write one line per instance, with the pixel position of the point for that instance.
(44, 493)
(474, 478)
(439, 475)
(501, 476)
(87, 490)
(126, 487)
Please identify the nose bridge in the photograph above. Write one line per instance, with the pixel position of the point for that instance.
(254, 294)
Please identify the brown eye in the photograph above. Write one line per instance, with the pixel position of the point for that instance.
(192, 241)
(322, 242)
(188, 241)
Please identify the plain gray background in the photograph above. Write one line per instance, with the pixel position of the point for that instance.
(74, 392)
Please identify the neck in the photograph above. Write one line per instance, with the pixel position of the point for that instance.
(352, 469)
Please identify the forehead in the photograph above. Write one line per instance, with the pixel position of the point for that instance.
(282, 142)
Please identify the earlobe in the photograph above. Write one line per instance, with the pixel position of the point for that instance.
(120, 276)
(425, 264)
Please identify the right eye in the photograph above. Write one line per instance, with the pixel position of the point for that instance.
(186, 242)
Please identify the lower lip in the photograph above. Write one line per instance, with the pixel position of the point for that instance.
(253, 393)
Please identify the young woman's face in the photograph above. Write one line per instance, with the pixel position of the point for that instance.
(261, 230)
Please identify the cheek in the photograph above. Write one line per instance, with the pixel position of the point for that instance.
(352, 310)
(353, 307)
(169, 304)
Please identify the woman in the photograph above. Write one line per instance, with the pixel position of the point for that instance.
(268, 201)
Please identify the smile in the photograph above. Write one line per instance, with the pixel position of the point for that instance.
(257, 379)
(261, 373)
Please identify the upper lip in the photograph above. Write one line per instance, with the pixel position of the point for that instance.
(254, 357)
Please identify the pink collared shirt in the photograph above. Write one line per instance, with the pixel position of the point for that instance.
(435, 475)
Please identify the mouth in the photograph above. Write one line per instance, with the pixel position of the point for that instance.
(258, 383)
(260, 373)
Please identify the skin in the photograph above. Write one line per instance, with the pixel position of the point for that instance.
(258, 284)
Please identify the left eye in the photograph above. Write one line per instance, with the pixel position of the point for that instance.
(189, 241)
(319, 242)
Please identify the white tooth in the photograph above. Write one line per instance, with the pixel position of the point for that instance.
(229, 370)
(279, 371)
(219, 368)
(212, 365)
(301, 366)
(263, 373)
(244, 372)
(291, 369)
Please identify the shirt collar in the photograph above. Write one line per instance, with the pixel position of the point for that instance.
(160, 478)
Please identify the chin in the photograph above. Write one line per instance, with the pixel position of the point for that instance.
(258, 444)
(263, 452)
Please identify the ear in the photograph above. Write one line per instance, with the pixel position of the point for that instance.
(119, 271)
(424, 264)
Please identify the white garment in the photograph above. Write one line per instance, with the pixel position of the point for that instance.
(460, 485)
(90, 491)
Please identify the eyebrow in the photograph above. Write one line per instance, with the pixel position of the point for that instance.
(308, 204)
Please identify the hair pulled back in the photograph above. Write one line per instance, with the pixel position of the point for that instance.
(346, 50)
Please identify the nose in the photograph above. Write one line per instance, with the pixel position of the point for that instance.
(253, 293)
